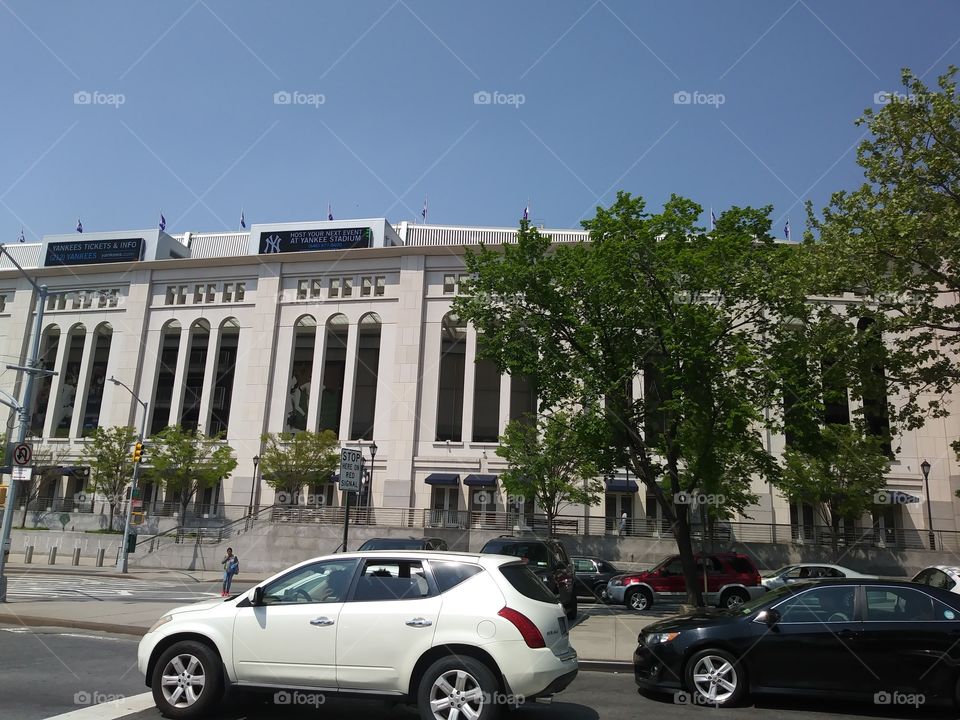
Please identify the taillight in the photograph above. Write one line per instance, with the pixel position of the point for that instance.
(530, 632)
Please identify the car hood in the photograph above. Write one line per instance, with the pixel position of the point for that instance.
(699, 618)
(195, 607)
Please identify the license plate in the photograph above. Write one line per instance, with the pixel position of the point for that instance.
(563, 625)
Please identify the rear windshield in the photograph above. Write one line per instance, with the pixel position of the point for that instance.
(534, 553)
(392, 544)
(742, 565)
(527, 584)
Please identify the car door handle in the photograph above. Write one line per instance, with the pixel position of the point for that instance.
(847, 634)
(321, 621)
(420, 622)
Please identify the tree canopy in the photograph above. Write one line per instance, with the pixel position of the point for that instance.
(187, 462)
(108, 453)
(291, 460)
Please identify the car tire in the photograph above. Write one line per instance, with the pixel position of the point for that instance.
(194, 683)
(715, 677)
(475, 683)
(733, 599)
(600, 593)
(638, 599)
(572, 610)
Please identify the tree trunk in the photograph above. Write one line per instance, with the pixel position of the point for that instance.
(692, 578)
(113, 505)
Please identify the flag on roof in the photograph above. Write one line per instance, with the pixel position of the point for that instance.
(79, 226)
(163, 222)
(329, 212)
(243, 222)
(22, 238)
(786, 230)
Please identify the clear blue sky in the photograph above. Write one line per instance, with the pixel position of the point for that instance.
(198, 133)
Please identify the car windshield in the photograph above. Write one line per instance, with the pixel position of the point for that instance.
(778, 573)
(766, 599)
(534, 553)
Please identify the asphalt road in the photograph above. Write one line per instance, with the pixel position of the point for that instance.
(46, 672)
(39, 586)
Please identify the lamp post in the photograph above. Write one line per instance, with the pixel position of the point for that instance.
(23, 409)
(925, 469)
(125, 549)
(253, 483)
(373, 455)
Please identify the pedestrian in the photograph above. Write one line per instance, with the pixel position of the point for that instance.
(231, 566)
(623, 524)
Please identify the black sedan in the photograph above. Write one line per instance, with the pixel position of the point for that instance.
(895, 642)
(592, 575)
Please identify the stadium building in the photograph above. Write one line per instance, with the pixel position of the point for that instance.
(341, 325)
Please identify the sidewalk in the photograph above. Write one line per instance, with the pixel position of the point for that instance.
(16, 566)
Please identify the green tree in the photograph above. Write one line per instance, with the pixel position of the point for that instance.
(651, 294)
(187, 462)
(108, 453)
(291, 460)
(841, 478)
(896, 239)
(46, 465)
(547, 461)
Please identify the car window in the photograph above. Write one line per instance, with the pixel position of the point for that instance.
(526, 583)
(935, 578)
(534, 553)
(742, 565)
(391, 580)
(392, 544)
(673, 567)
(584, 565)
(606, 567)
(901, 604)
(714, 565)
(819, 605)
(798, 573)
(451, 574)
(322, 582)
(560, 553)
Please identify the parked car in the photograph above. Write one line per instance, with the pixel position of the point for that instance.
(808, 571)
(547, 558)
(451, 632)
(878, 639)
(411, 543)
(940, 576)
(730, 579)
(591, 576)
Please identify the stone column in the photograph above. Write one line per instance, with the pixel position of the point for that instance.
(83, 384)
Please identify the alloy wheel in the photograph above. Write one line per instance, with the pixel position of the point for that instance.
(715, 679)
(455, 694)
(183, 680)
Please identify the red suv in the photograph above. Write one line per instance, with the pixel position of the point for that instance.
(730, 579)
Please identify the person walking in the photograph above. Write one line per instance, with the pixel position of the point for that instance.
(231, 566)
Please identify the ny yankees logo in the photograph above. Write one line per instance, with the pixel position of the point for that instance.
(272, 244)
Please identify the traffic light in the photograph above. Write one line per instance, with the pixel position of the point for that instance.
(138, 452)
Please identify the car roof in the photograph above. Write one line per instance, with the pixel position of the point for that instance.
(949, 569)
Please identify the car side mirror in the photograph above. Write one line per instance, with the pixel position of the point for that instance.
(257, 596)
(769, 617)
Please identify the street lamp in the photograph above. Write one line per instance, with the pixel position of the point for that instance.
(373, 455)
(925, 469)
(253, 483)
(125, 549)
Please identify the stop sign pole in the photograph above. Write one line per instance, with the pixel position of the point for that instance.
(351, 468)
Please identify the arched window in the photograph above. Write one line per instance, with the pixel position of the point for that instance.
(102, 339)
(486, 398)
(453, 353)
(196, 370)
(222, 397)
(166, 374)
(876, 413)
(365, 385)
(301, 370)
(49, 344)
(67, 396)
(334, 366)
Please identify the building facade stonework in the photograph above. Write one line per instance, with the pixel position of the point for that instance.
(341, 325)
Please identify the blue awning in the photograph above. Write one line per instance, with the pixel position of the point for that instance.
(895, 497)
(480, 480)
(624, 485)
(443, 479)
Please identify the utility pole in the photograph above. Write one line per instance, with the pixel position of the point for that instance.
(125, 548)
(23, 411)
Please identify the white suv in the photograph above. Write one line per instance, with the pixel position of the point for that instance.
(454, 633)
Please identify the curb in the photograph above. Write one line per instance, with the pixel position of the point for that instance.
(34, 621)
(66, 571)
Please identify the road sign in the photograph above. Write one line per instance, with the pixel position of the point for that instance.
(22, 473)
(22, 454)
(351, 468)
